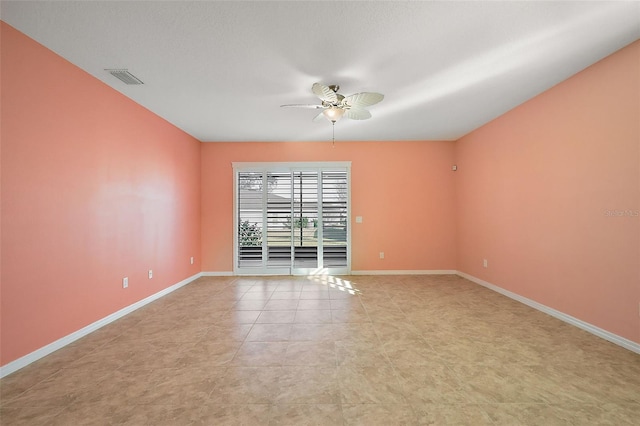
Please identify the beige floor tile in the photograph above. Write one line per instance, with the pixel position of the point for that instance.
(299, 350)
(118, 389)
(250, 305)
(506, 384)
(233, 415)
(263, 287)
(360, 354)
(208, 353)
(314, 293)
(312, 332)
(313, 317)
(453, 414)
(619, 414)
(236, 332)
(285, 295)
(170, 332)
(386, 316)
(378, 414)
(369, 385)
(411, 352)
(550, 414)
(355, 315)
(281, 305)
(341, 292)
(290, 287)
(247, 385)
(154, 355)
(29, 416)
(261, 354)
(314, 304)
(276, 317)
(356, 332)
(262, 296)
(162, 415)
(269, 333)
(17, 383)
(45, 394)
(306, 415)
(393, 331)
(618, 383)
(93, 414)
(346, 303)
(238, 317)
(431, 384)
(308, 385)
(310, 353)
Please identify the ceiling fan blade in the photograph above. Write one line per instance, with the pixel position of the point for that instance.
(318, 117)
(357, 114)
(324, 92)
(362, 100)
(302, 106)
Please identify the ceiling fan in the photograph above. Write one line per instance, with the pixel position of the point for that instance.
(334, 106)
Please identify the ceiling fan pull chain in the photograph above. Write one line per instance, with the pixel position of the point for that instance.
(333, 133)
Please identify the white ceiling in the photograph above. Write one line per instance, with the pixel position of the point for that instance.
(220, 70)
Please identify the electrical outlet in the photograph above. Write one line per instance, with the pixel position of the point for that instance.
(381, 255)
(192, 260)
(485, 263)
(125, 282)
(150, 274)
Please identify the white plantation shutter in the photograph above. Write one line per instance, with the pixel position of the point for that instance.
(291, 219)
(305, 211)
(334, 218)
(250, 218)
(279, 220)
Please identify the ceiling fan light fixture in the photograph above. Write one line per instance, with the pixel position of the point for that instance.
(333, 113)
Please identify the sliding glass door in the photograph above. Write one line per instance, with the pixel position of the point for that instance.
(291, 218)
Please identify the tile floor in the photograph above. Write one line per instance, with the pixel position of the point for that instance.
(330, 351)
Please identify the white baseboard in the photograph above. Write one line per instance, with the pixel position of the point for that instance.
(613, 338)
(406, 272)
(371, 272)
(217, 274)
(19, 363)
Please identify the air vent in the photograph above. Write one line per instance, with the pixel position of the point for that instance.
(125, 76)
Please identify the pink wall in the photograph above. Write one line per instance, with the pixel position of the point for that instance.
(94, 188)
(534, 188)
(403, 190)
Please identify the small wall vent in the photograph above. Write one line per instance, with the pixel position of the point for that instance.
(125, 76)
